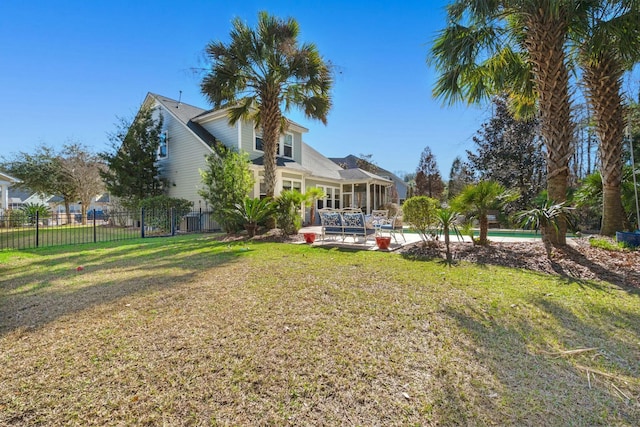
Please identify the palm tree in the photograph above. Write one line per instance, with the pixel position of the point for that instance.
(608, 45)
(518, 46)
(263, 72)
(478, 199)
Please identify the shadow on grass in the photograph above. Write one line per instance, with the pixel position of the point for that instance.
(543, 389)
(563, 265)
(57, 282)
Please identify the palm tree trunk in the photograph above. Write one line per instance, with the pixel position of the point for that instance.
(270, 116)
(484, 229)
(545, 43)
(603, 81)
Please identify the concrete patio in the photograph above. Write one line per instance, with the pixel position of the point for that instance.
(411, 238)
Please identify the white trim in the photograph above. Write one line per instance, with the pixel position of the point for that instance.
(239, 123)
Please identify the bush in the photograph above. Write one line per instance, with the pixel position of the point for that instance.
(420, 213)
(158, 211)
(35, 211)
(287, 211)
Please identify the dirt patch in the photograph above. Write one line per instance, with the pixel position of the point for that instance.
(578, 260)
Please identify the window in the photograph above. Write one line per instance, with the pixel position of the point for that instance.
(288, 145)
(259, 144)
(163, 146)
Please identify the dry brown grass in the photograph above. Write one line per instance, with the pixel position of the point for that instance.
(191, 331)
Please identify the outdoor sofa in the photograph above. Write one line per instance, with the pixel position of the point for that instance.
(344, 223)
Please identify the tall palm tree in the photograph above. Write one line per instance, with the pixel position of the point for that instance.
(478, 199)
(608, 45)
(518, 46)
(264, 71)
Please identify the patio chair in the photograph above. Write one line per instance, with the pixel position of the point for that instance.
(389, 225)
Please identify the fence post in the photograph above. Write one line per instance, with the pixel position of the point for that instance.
(94, 226)
(142, 223)
(37, 228)
(173, 221)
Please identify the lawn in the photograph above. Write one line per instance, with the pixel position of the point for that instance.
(193, 331)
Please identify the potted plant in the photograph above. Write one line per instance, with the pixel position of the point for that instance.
(383, 242)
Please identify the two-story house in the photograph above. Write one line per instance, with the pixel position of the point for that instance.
(190, 132)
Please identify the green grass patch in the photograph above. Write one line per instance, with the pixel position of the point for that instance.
(191, 330)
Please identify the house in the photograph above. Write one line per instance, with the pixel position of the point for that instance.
(6, 181)
(190, 133)
(352, 162)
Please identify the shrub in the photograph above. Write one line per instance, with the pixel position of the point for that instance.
(252, 212)
(35, 211)
(287, 211)
(158, 211)
(420, 213)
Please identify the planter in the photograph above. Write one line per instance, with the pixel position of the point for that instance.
(383, 242)
(309, 237)
(631, 239)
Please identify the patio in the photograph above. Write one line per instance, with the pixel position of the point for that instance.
(410, 237)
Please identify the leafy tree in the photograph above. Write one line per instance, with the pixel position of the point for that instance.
(460, 176)
(82, 170)
(428, 180)
(133, 172)
(262, 72)
(227, 181)
(517, 46)
(420, 212)
(43, 172)
(509, 152)
(478, 199)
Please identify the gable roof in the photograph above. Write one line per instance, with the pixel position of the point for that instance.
(185, 114)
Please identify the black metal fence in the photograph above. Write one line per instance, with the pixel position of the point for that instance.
(21, 231)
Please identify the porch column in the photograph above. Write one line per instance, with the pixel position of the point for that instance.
(4, 202)
(368, 197)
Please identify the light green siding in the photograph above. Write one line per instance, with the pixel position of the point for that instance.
(186, 155)
(223, 131)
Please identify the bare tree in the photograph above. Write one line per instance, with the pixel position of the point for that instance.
(82, 168)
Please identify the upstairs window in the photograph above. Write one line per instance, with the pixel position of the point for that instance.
(259, 144)
(288, 145)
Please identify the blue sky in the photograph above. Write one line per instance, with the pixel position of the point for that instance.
(69, 69)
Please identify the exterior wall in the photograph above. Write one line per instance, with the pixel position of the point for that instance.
(247, 140)
(223, 131)
(297, 146)
(186, 156)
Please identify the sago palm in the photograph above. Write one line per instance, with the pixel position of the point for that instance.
(262, 73)
(518, 46)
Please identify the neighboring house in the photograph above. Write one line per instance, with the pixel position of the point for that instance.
(6, 181)
(190, 132)
(352, 162)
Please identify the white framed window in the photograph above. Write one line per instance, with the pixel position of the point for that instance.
(292, 184)
(287, 145)
(163, 147)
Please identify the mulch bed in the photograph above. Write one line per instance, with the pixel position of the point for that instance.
(578, 260)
